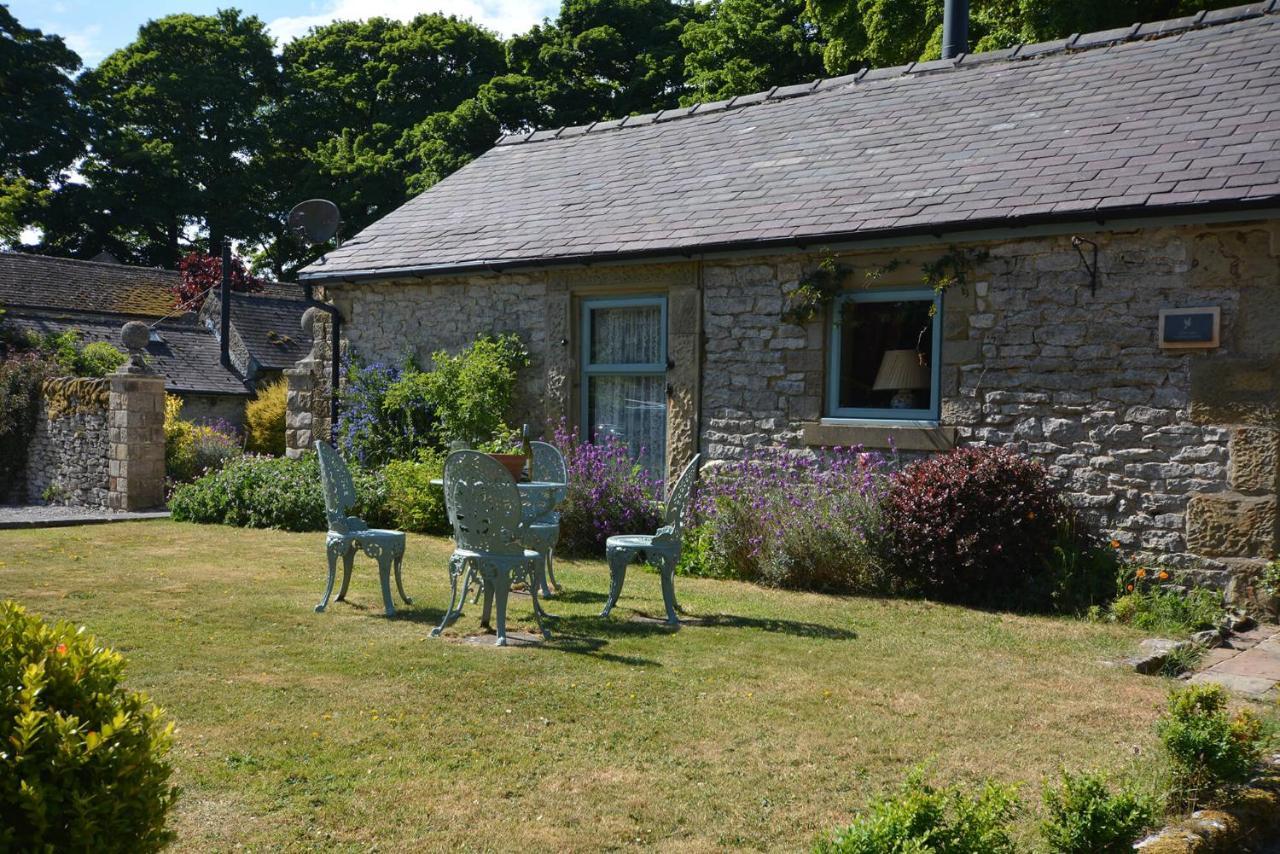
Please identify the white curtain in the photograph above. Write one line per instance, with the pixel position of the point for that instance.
(628, 335)
(630, 408)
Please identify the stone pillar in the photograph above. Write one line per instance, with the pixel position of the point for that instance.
(307, 408)
(135, 424)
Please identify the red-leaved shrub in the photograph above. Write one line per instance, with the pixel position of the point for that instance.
(975, 526)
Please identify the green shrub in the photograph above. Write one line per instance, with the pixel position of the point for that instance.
(191, 450)
(1153, 601)
(1080, 571)
(1210, 750)
(412, 501)
(922, 819)
(272, 492)
(83, 761)
(1086, 817)
(471, 391)
(97, 359)
(264, 420)
(21, 377)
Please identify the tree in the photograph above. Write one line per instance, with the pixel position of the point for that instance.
(41, 125)
(736, 47)
(605, 58)
(883, 33)
(201, 274)
(177, 132)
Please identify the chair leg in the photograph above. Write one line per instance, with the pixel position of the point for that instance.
(399, 564)
(502, 579)
(333, 571)
(384, 577)
(348, 561)
(487, 583)
(667, 568)
(551, 572)
(618, 561)
(538, 613)
(455, 569)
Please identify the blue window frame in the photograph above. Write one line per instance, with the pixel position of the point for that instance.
(865, 327)
(624, 375)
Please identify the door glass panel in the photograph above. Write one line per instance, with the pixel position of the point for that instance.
(627, 335)
(633, 410)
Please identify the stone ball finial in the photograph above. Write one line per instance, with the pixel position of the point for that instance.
(134, 335)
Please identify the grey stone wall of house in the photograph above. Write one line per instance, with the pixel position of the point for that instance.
(1173, 453)
(67, 457)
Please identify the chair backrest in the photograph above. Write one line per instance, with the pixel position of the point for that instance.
(678, 501)
(548, 463)
(483, 503)
(339, 491)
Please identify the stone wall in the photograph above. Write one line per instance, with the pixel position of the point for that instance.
(1173, 453)
(67, 457)
(206, 408)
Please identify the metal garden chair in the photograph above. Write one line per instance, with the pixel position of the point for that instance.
(542, 518)
(662, 548)
(484, 508)
(347, 534)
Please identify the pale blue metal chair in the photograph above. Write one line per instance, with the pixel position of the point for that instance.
(485, 510)
(661, 548)
(348, 534)
(541, 513)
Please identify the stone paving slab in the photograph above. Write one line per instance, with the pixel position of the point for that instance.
(1250, 665)
(49, 516)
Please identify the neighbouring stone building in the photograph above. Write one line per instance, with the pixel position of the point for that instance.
(1073, 248)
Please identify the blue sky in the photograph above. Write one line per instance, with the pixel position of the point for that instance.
(94, 28)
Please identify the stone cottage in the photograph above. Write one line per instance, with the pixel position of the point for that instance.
(1070, 247)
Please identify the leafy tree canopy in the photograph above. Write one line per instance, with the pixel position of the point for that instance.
(605, 58)
(735, 47)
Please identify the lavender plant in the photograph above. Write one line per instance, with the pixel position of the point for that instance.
(608, 494)
(790, 520)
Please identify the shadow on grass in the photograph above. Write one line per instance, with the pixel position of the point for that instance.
(593, 647)
(796, 628)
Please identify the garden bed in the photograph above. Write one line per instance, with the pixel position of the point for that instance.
(769, 723)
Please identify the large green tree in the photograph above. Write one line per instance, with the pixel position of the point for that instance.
(351, 92)
(605, 58)
(41, 126)
(176, 136)
(740, 46)
(891, 32)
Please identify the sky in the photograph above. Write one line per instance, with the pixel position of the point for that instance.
(94, 28)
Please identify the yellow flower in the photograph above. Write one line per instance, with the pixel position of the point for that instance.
(1142, 572)
(1163, 576)
(1115, 544)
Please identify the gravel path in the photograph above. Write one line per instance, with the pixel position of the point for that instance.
(51, 516)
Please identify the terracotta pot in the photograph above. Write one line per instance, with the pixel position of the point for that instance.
(513, 462)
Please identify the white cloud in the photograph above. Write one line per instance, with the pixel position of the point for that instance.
(87, 42)
(507, 17)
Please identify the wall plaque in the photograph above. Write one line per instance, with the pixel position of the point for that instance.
(1189, 328)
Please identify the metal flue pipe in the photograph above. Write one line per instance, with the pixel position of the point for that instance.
(955, 28)
(225, 325)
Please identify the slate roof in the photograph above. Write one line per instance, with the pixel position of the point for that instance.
(1153, 119)
(187, 355)
(270, 327)
(39, 281)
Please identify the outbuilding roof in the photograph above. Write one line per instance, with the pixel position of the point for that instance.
(1176, 116)
(41, 281)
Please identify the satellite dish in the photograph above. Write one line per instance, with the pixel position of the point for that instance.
(315, 220)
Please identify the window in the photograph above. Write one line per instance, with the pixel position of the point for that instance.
(883, 360)
(624, 375)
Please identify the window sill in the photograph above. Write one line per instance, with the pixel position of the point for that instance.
(877, 435)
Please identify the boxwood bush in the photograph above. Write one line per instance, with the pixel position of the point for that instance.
(83, 760)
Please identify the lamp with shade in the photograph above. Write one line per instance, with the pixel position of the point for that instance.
(902, 372)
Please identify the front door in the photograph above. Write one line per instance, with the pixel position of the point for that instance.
(624, 375)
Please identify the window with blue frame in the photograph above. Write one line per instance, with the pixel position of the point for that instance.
(883, 360)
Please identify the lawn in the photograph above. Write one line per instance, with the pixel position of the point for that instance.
(771, 721)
